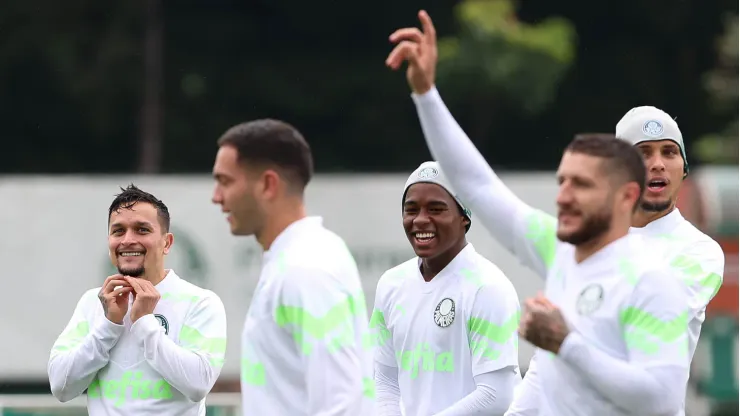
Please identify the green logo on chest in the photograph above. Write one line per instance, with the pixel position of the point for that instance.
(422, 358)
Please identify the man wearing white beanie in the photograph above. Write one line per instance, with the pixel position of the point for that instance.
(530, 234)
(445, 321)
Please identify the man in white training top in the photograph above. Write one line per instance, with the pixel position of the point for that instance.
(302, 345)
(147, 342)
(695, 259)
(445, 320)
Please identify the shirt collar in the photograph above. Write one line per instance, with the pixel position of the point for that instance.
(663, 225)
(457, 263)
(283, 239)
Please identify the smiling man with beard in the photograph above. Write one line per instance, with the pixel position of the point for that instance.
(445, 321)
(147, 342)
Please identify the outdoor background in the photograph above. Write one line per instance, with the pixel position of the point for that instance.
(95, 95)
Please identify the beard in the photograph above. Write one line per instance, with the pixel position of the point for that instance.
(132, 271)
(593, 227)
(655, 206)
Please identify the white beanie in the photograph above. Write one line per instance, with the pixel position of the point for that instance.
(647, 123)
(431, 172)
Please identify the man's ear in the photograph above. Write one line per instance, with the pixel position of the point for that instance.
(169, 240)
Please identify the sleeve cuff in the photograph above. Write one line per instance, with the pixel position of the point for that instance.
(428, 97)
(145, 327)
(571, 348)
(105, 329)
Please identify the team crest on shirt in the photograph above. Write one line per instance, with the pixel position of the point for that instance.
(428, 173)
(652, 128)
(163, 321)
(590, 299)
(444, 314)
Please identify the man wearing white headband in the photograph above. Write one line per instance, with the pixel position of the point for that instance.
(445, 321)
(696, 259)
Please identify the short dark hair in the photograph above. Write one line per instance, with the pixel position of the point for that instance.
(620, 155)
(131, 195)
(586, 135)
(273, 143)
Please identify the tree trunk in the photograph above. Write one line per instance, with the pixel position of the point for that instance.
(150, 141)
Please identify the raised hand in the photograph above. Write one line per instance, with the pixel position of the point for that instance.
(146, 297)
(419, 49)
(114, 298)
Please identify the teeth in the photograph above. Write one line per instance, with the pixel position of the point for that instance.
(132, 253)
(424, 236)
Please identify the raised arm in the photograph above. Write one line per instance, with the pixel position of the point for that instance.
(526, 232)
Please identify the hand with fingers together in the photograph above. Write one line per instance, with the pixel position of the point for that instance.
(114, 298)
(146, 297)
(543, 324)
(419, 49)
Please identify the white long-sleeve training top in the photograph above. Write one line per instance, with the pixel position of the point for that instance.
(449, 346)
(163, 364)
(303, 349)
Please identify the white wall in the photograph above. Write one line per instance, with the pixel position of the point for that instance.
(54, 248)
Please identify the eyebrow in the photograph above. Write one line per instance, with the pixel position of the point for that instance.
(433, 202)
(136, 224)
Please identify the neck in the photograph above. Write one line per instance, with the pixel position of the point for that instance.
(643, 218)
(431, 266)
(589, 248)
(155, 278)
(291, 211)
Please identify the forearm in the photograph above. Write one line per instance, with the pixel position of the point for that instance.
(387, 391)
(527, 395)
(72, 366)
(657, 391)
(492, 395)
(461, 162)
(191, 373)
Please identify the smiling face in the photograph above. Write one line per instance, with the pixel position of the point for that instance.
(137, 243)
(432, 220)
(665, 173)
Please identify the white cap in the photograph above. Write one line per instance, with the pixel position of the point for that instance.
(431, 172)
(647, 123)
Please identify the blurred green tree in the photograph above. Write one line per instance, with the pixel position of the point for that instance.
(497, 60)
(721, 147)
(495, 51)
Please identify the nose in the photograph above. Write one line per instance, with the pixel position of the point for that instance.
(655, 163)
(129, 238)
(565, 196)
(421, 219)
(217, 198)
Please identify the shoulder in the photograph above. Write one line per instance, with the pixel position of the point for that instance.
(398, 274)
(482, 275)
(186, 291)
(90, 298)
(658, 282)
(694, 243)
